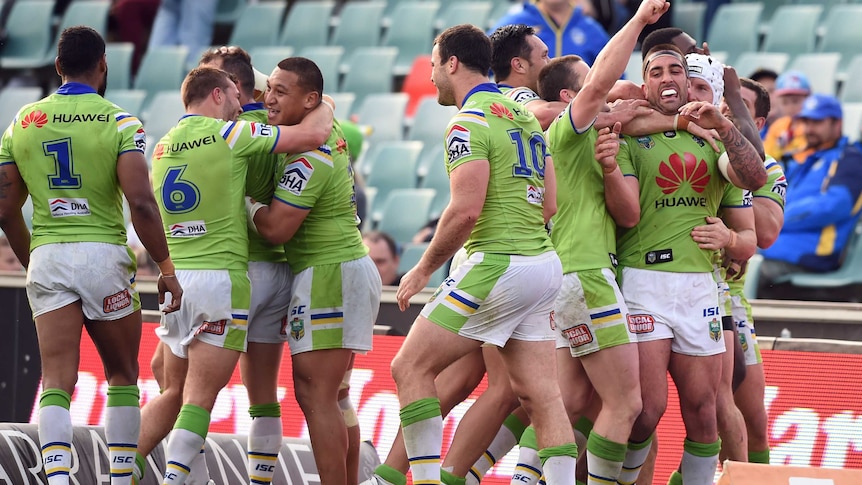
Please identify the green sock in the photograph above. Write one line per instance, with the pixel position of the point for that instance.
(391, 475)
(604, 459)
(675, 478)
(449, 479)
(759, 456)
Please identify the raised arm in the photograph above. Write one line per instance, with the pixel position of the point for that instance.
(741, 116)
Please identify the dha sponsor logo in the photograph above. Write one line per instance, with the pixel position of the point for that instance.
(34, 117)
(78, 118)
(296, 176)
(675, 171)
(189, 229)
(65, 207)
(535, 195)
(578, 335)
(117, 301)
(458, 142)
(641, 323)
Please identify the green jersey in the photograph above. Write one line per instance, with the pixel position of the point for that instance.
(66, 148)
(581, 208)
(520, 94)
(775, 189)
(680, 185)
(321, 181)
(260, 187)
(199, 174)
(492, 127)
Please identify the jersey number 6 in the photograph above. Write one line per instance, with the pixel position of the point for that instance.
(179, 195)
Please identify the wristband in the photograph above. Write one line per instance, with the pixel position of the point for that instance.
(605, 171)
(166, 267)
(676, 123)
(251, 207)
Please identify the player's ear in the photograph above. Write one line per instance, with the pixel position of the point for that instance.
(57, 67)
(312, 99)
(103, 64)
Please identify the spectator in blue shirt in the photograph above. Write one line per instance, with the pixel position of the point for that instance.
(823, 200)
(564, 28)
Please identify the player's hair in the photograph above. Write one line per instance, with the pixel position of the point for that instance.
(377, 236)
(200, 82)
(657, 37)
(507, 42)
(79, 50)
(559, 74)
(308, 75)
(763, 73)
(762, 104)
(234, 60)
(469, 44)
(668, 49)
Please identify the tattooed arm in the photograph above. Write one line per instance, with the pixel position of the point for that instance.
(13, 193)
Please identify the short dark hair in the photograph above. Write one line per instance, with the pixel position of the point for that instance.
(659, 36)
(559, 74)
(762, 104)
(469, 44)
(507, 42)
(234, 60)
(307, 72)
(79, 50)
(200, 82)
(377, 236)
(763, 73)
(663, 47)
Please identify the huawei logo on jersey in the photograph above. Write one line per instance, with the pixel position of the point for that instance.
(35, 117)
(159, 151)
(501, 111)
(674, 171)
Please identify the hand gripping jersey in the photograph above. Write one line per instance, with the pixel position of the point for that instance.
(680, 185)
(259, 186)
(66, 147)
(321, 181)
(581, 209)
(199, 175)
(492, 127)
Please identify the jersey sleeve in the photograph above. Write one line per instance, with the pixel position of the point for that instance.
(624, 157)
(131, 133)
(735, 197)
(467, 138)
(247, 138)
(775, 188)
(6, 145)
(305, 178)
(522, 95)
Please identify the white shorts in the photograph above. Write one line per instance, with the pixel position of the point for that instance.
(101, 275)
(493, 297)
(590, 313)
(334, 306)
(270, 297)
(679, 306)
(214, 310)
(723, 292)
(745, 325)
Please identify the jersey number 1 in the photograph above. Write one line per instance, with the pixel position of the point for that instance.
(63, 177)
(536, 154)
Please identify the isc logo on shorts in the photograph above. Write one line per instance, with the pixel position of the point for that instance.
(117, 301)
(215, 328)
(641, 323)
(578, 335)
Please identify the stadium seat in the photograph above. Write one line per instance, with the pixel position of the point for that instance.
(432, 154)
(850, 272)
(437, 178)
(852, 120)
(820, 68)
(792, 29)
(411, 255)
(391, 165)
(229, 11)
(384, 113)
(266, 58)
(633, 68)
(418, 83)
(734, 29)
(307, 24)
(851, 92)
(405, 212)
(162, 69)
(131, 100)
(842, 32)
(430, 121)
(12, 99)
(411, 31)
(29, 31)
(689, 17)
(499, 9)
(359, 25)
(748, 62)
(343, 103)
(475, 13)
(162, 113)
(258, 25)
(328, 59)
(369, 71)
(119, 56)
(370, 197)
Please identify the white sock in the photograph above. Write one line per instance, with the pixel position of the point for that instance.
(55, 436)
(122, 428)
(264, 443)
(199, 473)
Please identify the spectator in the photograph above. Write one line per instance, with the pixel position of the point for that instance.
(577, 32)
(785, 139)
(8, 260)
(767, 78)
(822, 200)
(185, 22)
(386, 255)
(132, 21)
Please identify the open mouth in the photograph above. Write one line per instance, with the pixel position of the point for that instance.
(669, 93)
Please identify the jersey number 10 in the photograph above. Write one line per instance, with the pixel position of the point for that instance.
(536, 153)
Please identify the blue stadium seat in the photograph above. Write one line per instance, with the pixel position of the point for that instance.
(821, 69)
(430, 121)
(748, 62)
(258, 25)
(411, 31)
(328, 59)
(12, 99)
(131, 100)
(842, 32)
(307, 24)
(162, 69)
(475, 13)
(689, 17)
(369, 71)
(384, 112)
(119, 57)
(359, 25)
(734, 29)
(405, 212)
(265, 58)
(29, 31)
(792, 29)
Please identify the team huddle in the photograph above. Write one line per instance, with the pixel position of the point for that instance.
(614, 233)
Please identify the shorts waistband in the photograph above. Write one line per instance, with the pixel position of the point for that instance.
(516, 258)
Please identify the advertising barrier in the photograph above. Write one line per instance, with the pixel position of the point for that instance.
(813, 402)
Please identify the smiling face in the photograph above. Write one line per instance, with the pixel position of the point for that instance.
(285, 99)
(231, 107)
(440, 78)
(666, 83)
